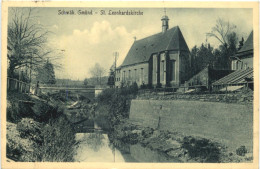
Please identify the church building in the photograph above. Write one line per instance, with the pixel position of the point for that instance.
(162, 59)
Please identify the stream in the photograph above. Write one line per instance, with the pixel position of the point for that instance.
(93, 144)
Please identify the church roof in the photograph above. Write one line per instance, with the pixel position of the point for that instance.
(248, 45)
(142, 49)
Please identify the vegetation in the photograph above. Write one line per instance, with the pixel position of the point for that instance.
(114, 104)
(218, 58)
(97, 72)
(37, 131)
(45, 74)
(27, 45)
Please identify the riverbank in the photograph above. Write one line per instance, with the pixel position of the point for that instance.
(37, 129)
(174, 146)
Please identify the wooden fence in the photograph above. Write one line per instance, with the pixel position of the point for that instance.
(17, 85)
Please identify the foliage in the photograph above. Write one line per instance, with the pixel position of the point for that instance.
(224, 32)
(17, 148)
(26, 40)
(201, 57)
(28, 128)
(111, 78)
(117, 103)
(46, 74)
(42, 132)
(17, 107)
(201, 148)
(58, 141)
(85, 82)
(221, 31)
(241, 151)
(97, 72)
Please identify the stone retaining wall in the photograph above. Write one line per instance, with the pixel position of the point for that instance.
(241, 98)
(227, 123)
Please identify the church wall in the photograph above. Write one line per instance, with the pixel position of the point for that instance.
(174, 69)
(138, 73)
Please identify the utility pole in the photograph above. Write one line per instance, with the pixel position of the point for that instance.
(116, 55)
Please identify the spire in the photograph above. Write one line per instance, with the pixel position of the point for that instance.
(165, 20)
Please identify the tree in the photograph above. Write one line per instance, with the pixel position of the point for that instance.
(97, 72)
(45, 74)
(201, 57)
(241, 44)
(26, 41)
(111, 78)
(85, 82)
(223, 31)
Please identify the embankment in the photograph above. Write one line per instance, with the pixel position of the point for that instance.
(229, 124)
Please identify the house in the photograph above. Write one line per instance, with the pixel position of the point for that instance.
(244, 57)
(242, 63)
(162, 59)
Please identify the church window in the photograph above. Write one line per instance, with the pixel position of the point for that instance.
(163, 70)
(173, 71)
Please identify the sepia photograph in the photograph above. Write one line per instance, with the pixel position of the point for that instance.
(130, 84)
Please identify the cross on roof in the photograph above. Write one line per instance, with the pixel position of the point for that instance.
(164, 11)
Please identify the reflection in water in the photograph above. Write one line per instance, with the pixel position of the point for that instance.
(95, 140)
(94, 147)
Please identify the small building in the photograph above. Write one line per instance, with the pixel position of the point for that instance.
(206, 77)
(162, 59)
(243, 75)
(244, 57)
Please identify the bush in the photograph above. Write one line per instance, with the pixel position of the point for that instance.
(29, 128)
(18, 149)
(106, 96)
(43, 111)
(202, 149)
(241, 151)
(117, 103)
(58, 141)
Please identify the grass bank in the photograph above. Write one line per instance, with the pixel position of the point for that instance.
(37, 130)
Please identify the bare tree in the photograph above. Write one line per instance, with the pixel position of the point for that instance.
(97, 72)
(221, 31)
(26, 41)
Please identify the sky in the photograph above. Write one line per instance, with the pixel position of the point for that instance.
(89, 39)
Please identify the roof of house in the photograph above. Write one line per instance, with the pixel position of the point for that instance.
(237, 77)
(248, 45)
(142, 49)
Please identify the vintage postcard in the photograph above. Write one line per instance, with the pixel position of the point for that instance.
(130, 85)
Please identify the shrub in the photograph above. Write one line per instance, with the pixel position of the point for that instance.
(202, 149)
(159, 85)
(43, 111)
(241, 151)
(28, 128)
(117, 103)
(106, 95)
(58, 141)
(18, 149)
